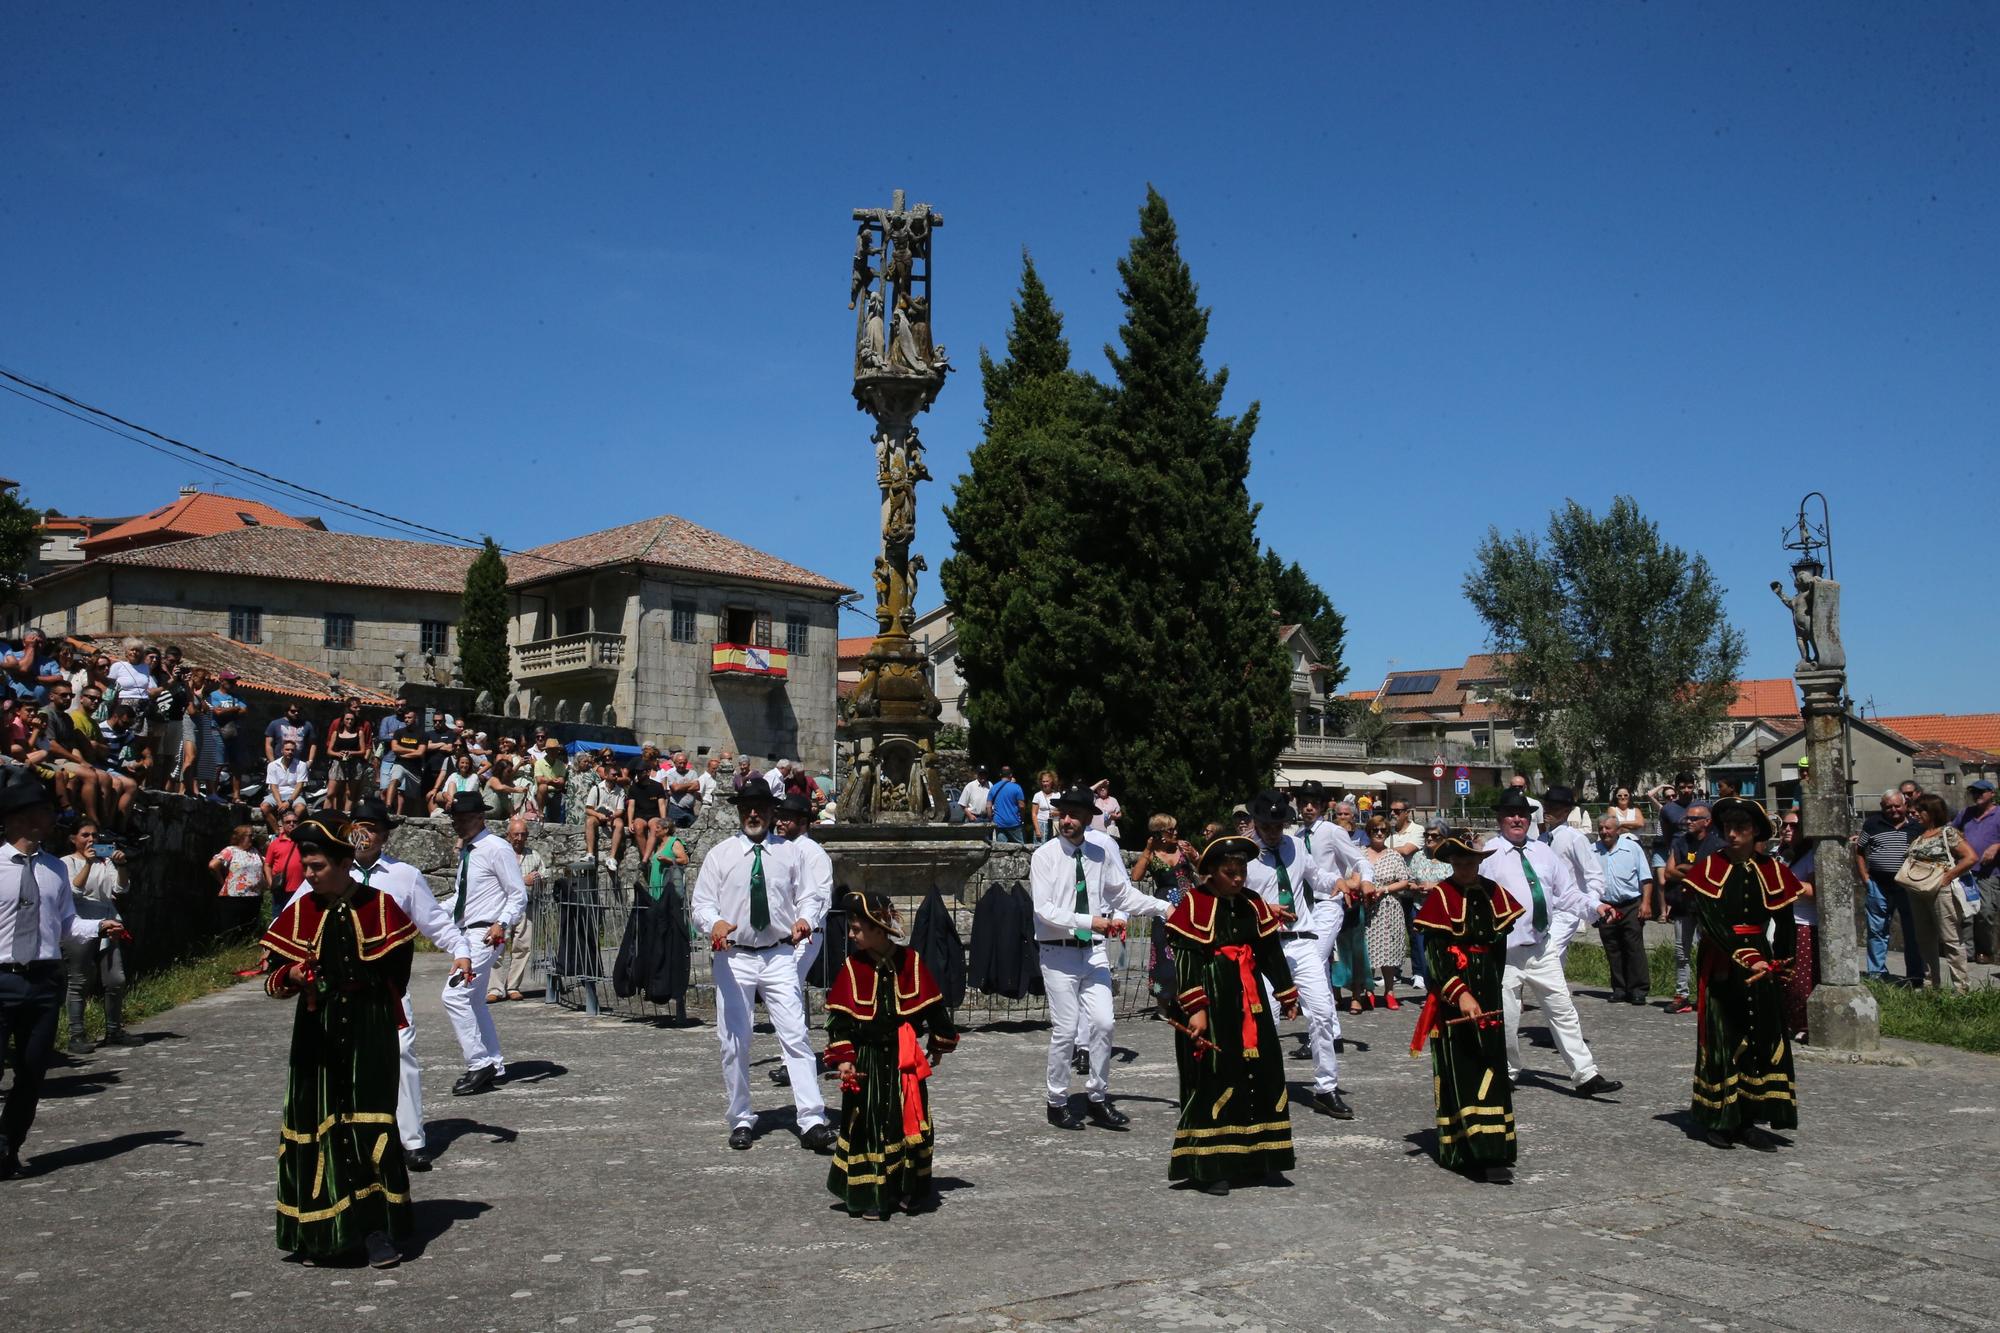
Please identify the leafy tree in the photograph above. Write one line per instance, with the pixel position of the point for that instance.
(1369, 727)
(1621, 657)
(20, 528)
(482, 625)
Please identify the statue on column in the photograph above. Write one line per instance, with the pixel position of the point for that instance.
(1815, 608)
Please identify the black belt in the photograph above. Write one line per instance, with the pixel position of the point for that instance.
(1298, 934)
(30, 969)
(1070, 943)
(479, 925)
(758, 948)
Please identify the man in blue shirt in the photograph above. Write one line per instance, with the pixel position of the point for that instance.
(1628, 879)
(1006, 799)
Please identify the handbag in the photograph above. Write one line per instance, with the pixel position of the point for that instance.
(1926, 865)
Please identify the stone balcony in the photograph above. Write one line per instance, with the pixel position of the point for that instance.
(748, 664)
(570, 657)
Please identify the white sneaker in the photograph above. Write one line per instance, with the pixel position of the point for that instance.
(1417, 983)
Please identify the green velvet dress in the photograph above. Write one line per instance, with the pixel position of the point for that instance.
(1352, 970)
(1743, 1055)
(874, 1016)
(1464, 938)
(1235, 1123)
(340, 1167)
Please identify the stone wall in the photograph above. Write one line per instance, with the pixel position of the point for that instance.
(172, 908)
(431, 846)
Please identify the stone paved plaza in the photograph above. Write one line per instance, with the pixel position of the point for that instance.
(594, 1191)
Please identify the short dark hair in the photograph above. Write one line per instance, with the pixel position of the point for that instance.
(1684, 779)
(1932, 806)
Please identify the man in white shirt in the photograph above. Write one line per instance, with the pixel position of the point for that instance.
(1573, 849)
(1519, 783)
(815, 868)
(1543, 884)
(974, 800)
(489, 899)
(710, 778)
(1078, 884)
(284, 785)
(37, 911)
(406, 886)
(1285, 876)
(780, 773)
(749, 901)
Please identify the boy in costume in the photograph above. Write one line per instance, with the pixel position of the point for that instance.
(881, 1000)
(1235, 1123)
(1463, 926)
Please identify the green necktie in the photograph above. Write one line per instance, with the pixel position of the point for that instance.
(1284, 879)
(1307, 831)
(1082, 898)
(1535, 888)
(458, 908)
(367, 873)
(760, 902)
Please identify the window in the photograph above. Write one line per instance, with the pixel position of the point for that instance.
(738, 624)
(1524, 740)
(69, 621)
(682, 625)
(246, 624)
(576, 620)
(339, 630)
(434, 638)
(762, 630)
(796, 630)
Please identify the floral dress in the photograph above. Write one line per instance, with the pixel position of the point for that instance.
(1388, 938)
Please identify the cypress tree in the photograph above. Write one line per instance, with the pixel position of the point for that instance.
(482, 625)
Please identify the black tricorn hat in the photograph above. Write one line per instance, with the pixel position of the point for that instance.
(1455, 842)
(755, 791)
(1231, 844)
(466, 803)
(1514, 801)
(1077, 798)
(325, 834)
(1742, 807)
(1270, 807)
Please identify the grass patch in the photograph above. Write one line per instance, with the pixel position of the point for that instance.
(1586, 965)
(1971, 1022)
(156, 992)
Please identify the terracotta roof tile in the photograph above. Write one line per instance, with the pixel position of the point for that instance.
(1765, 698)
(1484, 666)
(1976, 731)
(668, 542)
(256, 668)
(308, 555)
(201, 514)
(855, 647)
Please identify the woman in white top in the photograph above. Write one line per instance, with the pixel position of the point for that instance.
(1045, 805)
(461, 776)
(1631, 819)
(97, 877)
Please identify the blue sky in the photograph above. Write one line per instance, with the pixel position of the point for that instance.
(499, 268)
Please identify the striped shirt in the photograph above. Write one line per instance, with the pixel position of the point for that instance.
(1883, 846)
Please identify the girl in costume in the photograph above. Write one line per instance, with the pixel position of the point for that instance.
(1235, 1124)
(1463, 926)
(882, 999)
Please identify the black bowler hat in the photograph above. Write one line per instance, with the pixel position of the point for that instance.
(756, 791)
(1559, 796)
(370, 810)
(20, 788)
(1514, 801)
(1312, 789)
(794, 804)
(466, 803)
(1271, 807)
(1077, 798)
(1229, 845)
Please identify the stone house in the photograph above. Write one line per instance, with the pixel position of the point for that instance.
(684, 635)
(354, 606)
(1877, 760)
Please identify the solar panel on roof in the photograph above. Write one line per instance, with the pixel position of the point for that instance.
(1414, 684)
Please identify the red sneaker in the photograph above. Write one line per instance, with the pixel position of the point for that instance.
(1680, 1005)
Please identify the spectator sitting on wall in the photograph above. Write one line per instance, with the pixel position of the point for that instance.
(551, 774)
(463, 775)
(284, 786)
(607, 810)
(683, 790)
(710, 780)
(505, 788)
(14, 730)
(79, 784)
(30, 666)
(117, 789)
(643, 801)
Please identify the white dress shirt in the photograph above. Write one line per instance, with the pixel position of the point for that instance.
(409, 890)
(722, 891)
(494, 889)
(775, 780)
(283, 780)
(1574, 850)
(1559, 887)
(1052, 879)
(35, 916)
(815, 871)
(1300, 868)
(1336, 855)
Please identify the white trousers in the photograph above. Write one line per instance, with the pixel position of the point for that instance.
(741, 976)
(807, 952)
(410, 1094)
(1078, 983)
(471, 1020)
(1308, 960)
(1539, 970)
(1564, 929)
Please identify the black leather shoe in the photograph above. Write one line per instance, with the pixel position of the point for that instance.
(1080, 1062)
(1757, 1140)
(1598, 1086)
(1333, 1104)
(1106, 1116)
(1065, 1117)
(120, 1037)
(1638, 997)
(739, 1138)
(782, 1077)
(417, 1159)
(1219, 1188)
(819, 1138)
(1717, 1139)
(474, 1082)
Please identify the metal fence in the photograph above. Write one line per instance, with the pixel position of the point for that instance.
(581, 918)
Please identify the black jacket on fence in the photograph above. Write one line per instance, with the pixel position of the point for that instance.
(935, 938)
(653, 958)
(1005, 959)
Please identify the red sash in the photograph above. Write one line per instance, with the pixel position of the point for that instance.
(910, 1062)
(1245, 959)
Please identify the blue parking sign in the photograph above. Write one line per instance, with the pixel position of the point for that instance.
(1461, 787)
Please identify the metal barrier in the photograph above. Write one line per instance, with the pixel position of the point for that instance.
(581, 919)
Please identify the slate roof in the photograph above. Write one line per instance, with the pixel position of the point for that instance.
(309, 555)
(200, 514)
(665, 542)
